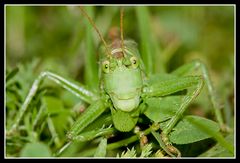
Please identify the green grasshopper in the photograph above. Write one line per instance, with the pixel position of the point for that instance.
(125, 91)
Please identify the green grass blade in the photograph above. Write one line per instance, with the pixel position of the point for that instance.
(90, 71)
(12, 73)
(146, 44)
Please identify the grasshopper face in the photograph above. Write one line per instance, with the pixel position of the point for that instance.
(122, 79)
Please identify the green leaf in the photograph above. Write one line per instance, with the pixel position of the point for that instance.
(218, 150)
(54, 105)
(161, 108)
(35, 149)
(191, 129)
(58, 114)
(101, 149)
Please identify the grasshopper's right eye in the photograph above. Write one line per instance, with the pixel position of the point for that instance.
(105, 66)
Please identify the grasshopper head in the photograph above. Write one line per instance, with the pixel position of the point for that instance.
(122, 77)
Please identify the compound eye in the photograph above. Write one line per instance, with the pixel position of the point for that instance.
(134, 62)
(105, 66)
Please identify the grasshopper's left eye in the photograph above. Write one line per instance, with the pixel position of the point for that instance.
(105, 66)
(134, 62)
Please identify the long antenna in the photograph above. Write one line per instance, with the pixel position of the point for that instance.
(99, 34)
(121, 27)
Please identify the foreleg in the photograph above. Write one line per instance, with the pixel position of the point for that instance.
(87, 117)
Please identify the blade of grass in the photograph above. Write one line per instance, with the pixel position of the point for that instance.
(146, 44)
(90, 71)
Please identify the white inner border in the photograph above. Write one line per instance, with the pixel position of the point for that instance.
(119, 5)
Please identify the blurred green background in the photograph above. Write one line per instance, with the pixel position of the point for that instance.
(55, 38)
(56, 33)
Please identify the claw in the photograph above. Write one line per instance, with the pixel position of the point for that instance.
(170, 148)
(174, 150)
(143, 140)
